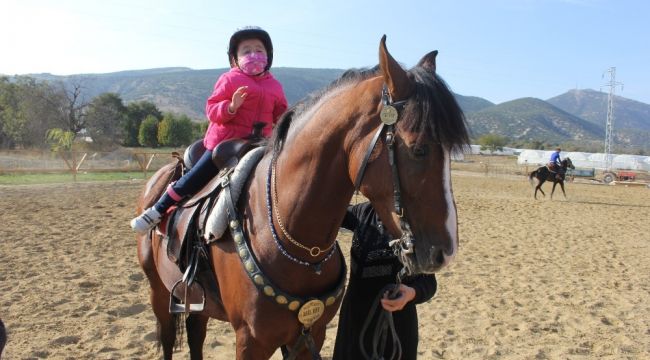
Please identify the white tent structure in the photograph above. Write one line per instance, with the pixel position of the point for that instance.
(587, 160)
(508, 151)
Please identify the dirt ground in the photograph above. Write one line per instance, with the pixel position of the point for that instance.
(561, 279)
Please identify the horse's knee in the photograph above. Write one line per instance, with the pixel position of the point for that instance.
(248, 348)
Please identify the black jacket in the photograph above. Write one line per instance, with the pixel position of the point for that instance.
(374, 265)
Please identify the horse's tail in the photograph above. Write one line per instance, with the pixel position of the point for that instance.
(179, 326)
(531, 176)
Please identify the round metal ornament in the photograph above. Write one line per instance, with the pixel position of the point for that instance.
(388, 115)
(310, 312)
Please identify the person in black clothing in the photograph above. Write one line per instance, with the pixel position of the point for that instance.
(373, 266)
(3, 337)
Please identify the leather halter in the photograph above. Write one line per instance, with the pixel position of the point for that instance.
(389, 117)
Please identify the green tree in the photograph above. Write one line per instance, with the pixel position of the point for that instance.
(492, 142)
(136, 112)
(60, 140)
(175, 130)
(105, 119)
(148, 134)
(25, 112)
(198, 129)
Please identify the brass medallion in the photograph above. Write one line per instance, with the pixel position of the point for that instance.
(388, 115)
(311, 312)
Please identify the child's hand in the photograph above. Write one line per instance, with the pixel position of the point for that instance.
(237, 99)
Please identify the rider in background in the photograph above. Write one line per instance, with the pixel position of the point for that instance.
(555, 163)
(373, 266)
(245, 95)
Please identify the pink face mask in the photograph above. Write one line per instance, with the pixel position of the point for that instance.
(253, 64)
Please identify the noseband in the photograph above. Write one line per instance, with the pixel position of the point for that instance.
(389, 116)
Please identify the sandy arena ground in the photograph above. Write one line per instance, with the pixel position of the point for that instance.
(561, 279)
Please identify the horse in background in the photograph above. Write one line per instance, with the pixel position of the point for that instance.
(399, 128)
(544, 174)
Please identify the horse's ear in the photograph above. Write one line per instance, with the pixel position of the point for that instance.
(428, 61)
(399, 84)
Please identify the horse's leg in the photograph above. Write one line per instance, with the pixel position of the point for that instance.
(248, 348)
(539, 187)
(159, 298)
(553, 189)
(562, 187)
(196, 329)
(166, 321)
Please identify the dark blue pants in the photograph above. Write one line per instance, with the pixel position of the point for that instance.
(193, 181)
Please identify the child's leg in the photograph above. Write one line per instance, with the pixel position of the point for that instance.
(193, 181)
(189, 184)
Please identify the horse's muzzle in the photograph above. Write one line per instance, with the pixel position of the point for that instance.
(425, 261)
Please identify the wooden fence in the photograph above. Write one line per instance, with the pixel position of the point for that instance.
(74, 162)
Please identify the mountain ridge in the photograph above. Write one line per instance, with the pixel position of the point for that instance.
(576, 115)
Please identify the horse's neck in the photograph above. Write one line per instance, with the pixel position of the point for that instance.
(313, 191)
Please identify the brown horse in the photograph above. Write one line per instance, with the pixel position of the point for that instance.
(543, 174)
(317, 154)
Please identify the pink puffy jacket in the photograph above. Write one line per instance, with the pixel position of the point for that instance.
(265, 102)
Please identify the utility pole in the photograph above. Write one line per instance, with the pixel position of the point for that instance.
(609, 130)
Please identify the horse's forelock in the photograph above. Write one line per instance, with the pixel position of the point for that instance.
(433, 109)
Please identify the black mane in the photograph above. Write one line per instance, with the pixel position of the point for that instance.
(282, 129)
(432, 108)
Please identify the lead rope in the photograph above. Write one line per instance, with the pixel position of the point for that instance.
(384, 326)
(305, 339)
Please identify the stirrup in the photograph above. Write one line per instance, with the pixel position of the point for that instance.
(181, 306)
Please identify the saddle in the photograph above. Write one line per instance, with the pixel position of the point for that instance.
(551, 167)
(188, 217)
(183, 226)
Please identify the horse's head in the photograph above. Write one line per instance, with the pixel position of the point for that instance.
(567, 164)
(413, 194)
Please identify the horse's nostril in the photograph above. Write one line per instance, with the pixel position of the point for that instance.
(438, 257)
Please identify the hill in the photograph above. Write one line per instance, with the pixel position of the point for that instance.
(631, 118)
(591, 105)
(532, 119)
(472, 103)
(573, 116)
(184, 90)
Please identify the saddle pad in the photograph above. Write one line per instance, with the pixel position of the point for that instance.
(218, 220)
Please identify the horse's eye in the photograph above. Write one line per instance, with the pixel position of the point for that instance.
(420, 151)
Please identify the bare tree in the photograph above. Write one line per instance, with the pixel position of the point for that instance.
(71, 105)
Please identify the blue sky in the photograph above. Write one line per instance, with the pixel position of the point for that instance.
(497, 49)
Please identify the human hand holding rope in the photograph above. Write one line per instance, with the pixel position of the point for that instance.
(396, 300)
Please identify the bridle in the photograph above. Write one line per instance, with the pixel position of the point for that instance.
(403, 246)
(384, 326)
(389, 116)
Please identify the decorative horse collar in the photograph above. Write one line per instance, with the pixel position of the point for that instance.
(309, 308)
